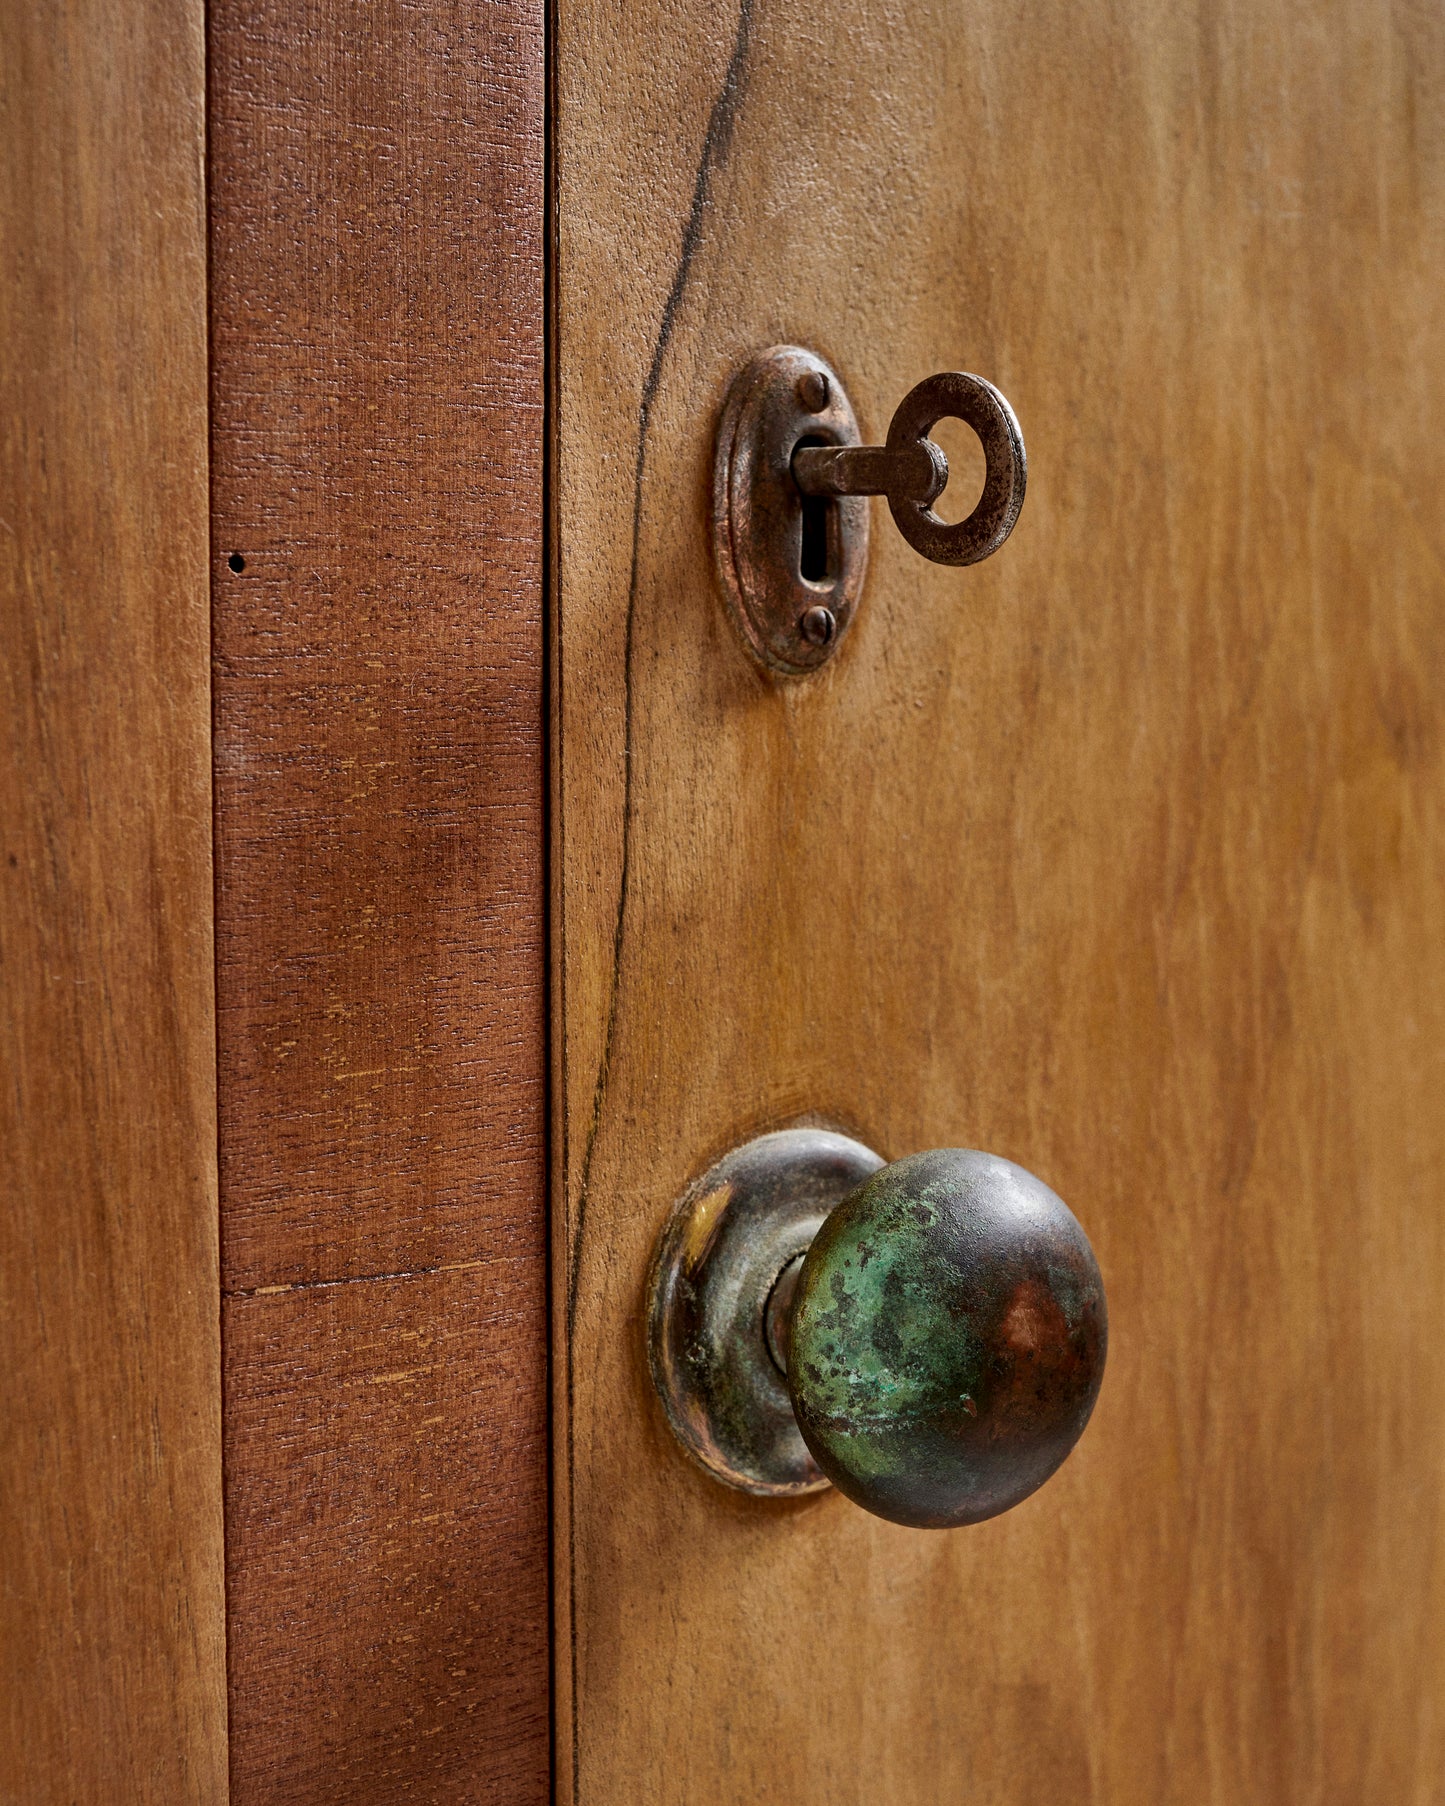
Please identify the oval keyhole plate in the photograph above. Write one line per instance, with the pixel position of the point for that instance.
(792, 578)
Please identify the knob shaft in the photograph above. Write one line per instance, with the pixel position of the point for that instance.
(947, 1339)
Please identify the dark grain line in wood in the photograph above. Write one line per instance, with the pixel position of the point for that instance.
(716, 139)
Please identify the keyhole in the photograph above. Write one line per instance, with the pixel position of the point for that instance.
(817, 552)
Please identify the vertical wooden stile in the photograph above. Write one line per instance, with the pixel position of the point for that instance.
(376, 237)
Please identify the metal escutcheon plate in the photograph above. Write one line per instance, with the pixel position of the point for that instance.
(720, 1253)
(791, 623)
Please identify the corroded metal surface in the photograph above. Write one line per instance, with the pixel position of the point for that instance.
(941, 1323)
(957, 395)
(947, 1339)
(916, 472)
(790, 482)
(784, 560)
(717, 1262)
(912, 471)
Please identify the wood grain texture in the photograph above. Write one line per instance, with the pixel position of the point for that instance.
(112, 1616)
(385, 1536)
(377, 332)
(1122, 855)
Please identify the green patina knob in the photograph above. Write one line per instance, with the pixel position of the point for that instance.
(946, 1338)
(929, 1336)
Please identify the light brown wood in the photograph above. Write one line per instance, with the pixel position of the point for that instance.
(1122, 855)
(377, 313)
(112, 1652)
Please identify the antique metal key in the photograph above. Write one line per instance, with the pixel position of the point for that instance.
(790, 482)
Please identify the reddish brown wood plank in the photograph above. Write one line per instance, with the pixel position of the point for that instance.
(377, 397)
(393, 1417)
(377, 315)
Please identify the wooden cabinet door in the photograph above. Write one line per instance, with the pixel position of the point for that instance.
(1122, 855)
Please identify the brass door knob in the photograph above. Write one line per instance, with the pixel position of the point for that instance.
(929, 1336)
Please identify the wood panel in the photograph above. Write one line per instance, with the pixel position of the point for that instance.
(112, 1630)
(377, 330)
(1122, 855)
